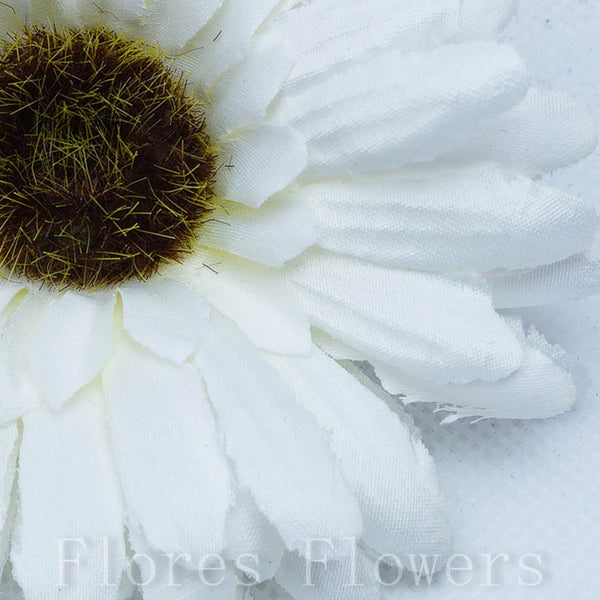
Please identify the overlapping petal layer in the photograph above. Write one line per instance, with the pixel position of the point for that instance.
(375, 173)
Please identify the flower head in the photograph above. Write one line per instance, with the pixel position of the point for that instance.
(210, 212)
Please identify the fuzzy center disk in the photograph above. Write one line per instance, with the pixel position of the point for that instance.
(106, 171)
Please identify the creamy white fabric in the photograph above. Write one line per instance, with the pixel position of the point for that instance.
(440, 328)
(280, 453)
(178, 577)
(225, 40)
(12, 16)
(72, 344)
(267, 159)
(355, 577)
(261, 440)
(546, 131)
(263, 306)
(8, 290)
(278, 231)
(573, 278)
(473, 218)
(383, 460)
(9, 450)
(69, 505)
(19, 392)
(336, 32)
(171, 23)
(165, 316)
(519, 396)
(253, 544)
(425, 109)
(242, 95)
(173, 473)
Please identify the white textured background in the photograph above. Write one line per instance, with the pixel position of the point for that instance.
(534, 487)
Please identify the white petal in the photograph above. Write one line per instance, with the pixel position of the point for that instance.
(13, 16)
(260, 302)
(347, 579)
(72, 344)
(433, 102)
(9, 449)
(333, 32)
(171, 23)
(176, 577)
(115, 14)
(68, 490)
(481, 19)
(440, 329)
(540, 388)
(225, 40)
(336, 349)
(573, 278)
(546, 131)
(173, 472)
(242, 95)
(473, 218)
(165, 316)
(120, 15)
(383, 459)
(336, 31)
(19, 392)
(8, 291)
(252, 542)
(278, 231)
(259, 162)
(279, 452)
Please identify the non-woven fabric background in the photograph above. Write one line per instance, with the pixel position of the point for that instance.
(533, 487)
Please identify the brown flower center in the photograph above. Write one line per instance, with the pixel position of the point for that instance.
(106, 171)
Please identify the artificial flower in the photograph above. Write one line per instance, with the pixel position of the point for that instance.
(211, 210)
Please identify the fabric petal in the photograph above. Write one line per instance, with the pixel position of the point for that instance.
(437, 328)
(280, 454)
(382, 458)
(68, 491)
(225, 40)
(13, 16)
(539, 389)
(9, 449)
(8, 291)
(174, 475)
(473, 218)
(171, 23)
(352, 578)
(165, 316)
(19, 393)
(242, 95)
(334, 32)
(434, 101)
(120, 15)
(482, 19)
(259, 162)
(72, 344)
(177, 577)
(278, 231)
(258, 299)
(573, 278)
(546, 131)
(252, 542)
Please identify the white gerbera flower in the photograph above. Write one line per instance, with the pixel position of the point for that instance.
(186, 260)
